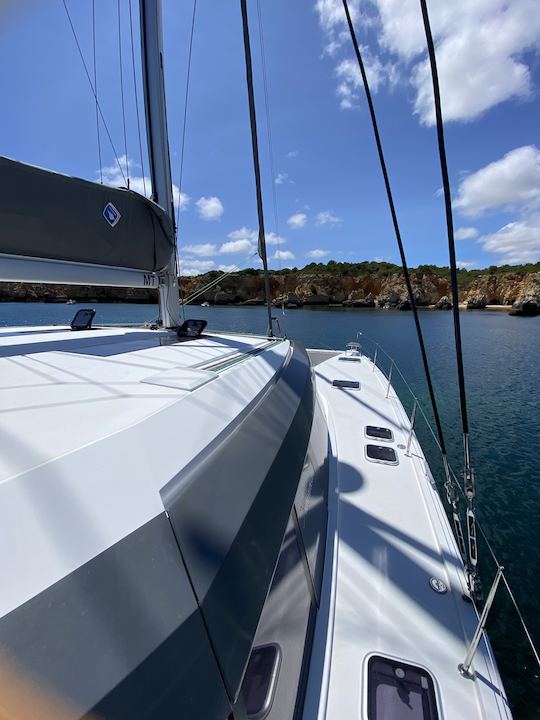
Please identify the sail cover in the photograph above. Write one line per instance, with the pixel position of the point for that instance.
(44, 214)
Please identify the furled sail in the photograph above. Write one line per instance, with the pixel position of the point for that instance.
(47, 215)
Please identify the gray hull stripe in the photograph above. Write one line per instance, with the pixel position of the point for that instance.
(121, 636)
(229, 511)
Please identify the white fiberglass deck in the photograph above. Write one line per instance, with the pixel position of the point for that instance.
(388, 535)
(87, 424)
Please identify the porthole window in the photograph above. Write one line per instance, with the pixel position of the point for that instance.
(260, 680)
(397, 691)
(381, 454)
(379, 433)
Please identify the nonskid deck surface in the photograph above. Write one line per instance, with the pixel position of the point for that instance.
(94, 423)
(389, 537)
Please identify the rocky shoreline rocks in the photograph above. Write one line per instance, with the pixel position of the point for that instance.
(517, 291)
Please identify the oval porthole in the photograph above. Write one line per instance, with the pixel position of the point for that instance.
(260, 680)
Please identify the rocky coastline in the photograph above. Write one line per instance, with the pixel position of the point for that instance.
(519, 292)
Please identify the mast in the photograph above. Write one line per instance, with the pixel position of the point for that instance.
(158, 146)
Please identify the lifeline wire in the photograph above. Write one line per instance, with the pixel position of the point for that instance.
(92, 88)
(482, 531)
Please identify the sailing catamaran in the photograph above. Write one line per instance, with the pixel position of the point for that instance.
(209, 525)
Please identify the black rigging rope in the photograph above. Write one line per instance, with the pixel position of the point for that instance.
(94, 93)
(449, 220)
(95, 85)
(182, 152)
(451, 490)
(268, 124)
(136, 96)
(396, 229)
(122, 88)
(184, 122)
(468, 472)
(256, 167)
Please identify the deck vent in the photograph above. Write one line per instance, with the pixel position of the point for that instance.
(348, 384)
(191, 328)
(83, 319)
(260, 680)
(379, 433)
(397, 691)
(381, 454)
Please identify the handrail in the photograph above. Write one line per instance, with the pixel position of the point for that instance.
(500, 568)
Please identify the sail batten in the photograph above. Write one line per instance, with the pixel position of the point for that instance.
(44, 214)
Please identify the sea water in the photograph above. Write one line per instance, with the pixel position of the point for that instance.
(502, 368)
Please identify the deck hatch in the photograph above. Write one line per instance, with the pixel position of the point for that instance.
(350, 384)
(379, 433)
(381, 454)
(397, 691)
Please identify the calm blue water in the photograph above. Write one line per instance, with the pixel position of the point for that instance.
(502, 364)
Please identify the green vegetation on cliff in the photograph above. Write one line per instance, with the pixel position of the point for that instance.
(382, 269)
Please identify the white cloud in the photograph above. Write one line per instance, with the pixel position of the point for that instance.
(228, 268)
(190, 266)
(517, 242)
(480, 51)
(202, 250)
(273, 239)
(293, 154)
(209, 208)
(244, 233)
(237, 246)
(466, 233)
(333, 23)
(283, 255)
(508, 183)
(297, 221)
(317, 253)
(465, 264)
(180, 197)
(281, 178)
(332, 19)
(350, 80)
(511, 183)
(112, 175)
(484, 48)
(248, 239)
(326, 217)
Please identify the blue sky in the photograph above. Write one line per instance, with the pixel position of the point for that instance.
(330, 196)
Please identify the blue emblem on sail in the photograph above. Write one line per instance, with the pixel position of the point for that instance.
(111, 214)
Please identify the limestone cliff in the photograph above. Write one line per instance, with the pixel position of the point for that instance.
(296, 288)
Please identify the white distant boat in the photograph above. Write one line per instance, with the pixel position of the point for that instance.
(209, 526)
(205, 304)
